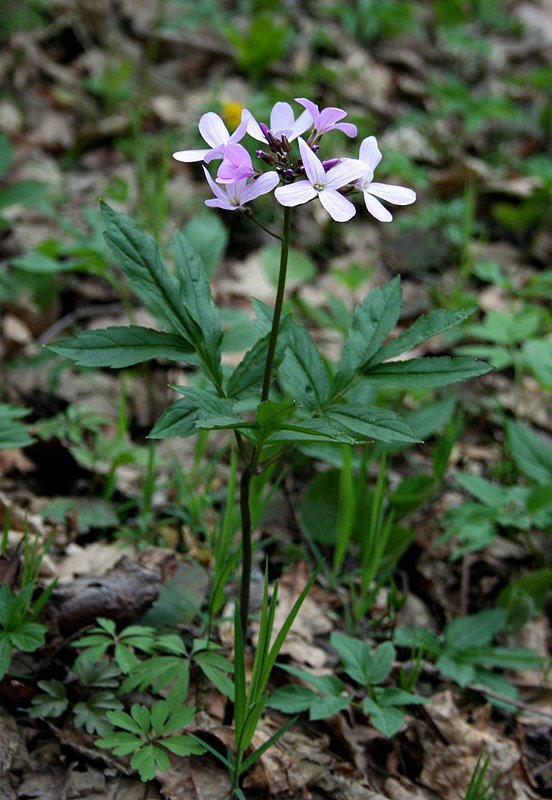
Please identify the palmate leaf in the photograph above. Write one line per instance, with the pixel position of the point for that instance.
(372, 323)
(426, 373)
(123, 346)
(13, 433)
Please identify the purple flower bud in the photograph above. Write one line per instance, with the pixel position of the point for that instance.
(289, 173)
(265, 129)
(315, 147)
(330, 163)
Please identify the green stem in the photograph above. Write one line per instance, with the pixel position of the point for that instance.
(250, 468)
(278, 304)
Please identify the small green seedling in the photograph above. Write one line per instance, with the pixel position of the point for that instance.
(385, 705)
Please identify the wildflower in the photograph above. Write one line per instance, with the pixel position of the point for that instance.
(399, 195)
(217, 136)
(235, 165)
(233, 196)
(323, 184)
(326, 120)
(282, 123)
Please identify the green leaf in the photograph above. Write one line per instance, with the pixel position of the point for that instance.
(51, 704)
(380, 663)
(178, 719)
(183, 746)
(125, 658)
(268, 412)
(5, 653)
(140, 260)
(426, 373)
(476, 630)
(208, 236)
(198, 408)
(120, 347)
(423, 328)
(13, 433)
(532, 456)
(390, 696)
(323, 707)
(43, 264)
(456, 669)
(159, 715)
(354, 655)
(158, 673)
(292, 699)
(142, 716)
(304, 370)
(123, 720)
(373, 422)
(248, 376)
(211, 667)
(300, 267)
(102, 674)
(199, 301)
(121, 743)
(312, 430)
(91, 713)
(147, 759)
(22, 193)
(28, 637)
(372, 322)
(387, 720)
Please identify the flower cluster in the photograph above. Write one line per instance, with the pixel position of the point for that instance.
(295, 180)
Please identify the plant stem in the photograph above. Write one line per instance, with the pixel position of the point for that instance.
(278, 304)
(250, 468)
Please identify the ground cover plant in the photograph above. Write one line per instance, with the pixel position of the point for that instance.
(275, 497)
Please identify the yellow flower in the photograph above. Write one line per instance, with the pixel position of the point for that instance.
(231, 113)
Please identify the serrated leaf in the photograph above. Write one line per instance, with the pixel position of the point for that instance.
(146, 760)
(390, 696)
(373, 422)
(269, 412)
(422, 329)
(139, 258)
(426, 373)
(248, 376)
(324, 707)
(304, 370)
(13, 434)
(91, 714)
(199, 300)
(101, 674)
(178, 719)
(183, 417)
(159, 715)
(372, 322)
(312, 430)
(119, 346)
(123, 720)
(142, 716)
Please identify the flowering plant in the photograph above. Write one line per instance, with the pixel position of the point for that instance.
(296, 395)
(317, 401)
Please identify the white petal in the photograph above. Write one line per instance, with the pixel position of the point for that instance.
(295, 194)
(376, 209)
(281, 117)
(190, 155)
(217, 190)
(262, 185)
(213, 129)
(337, 206)
(370, 154)
(241, 130)
(254, 129)
(226, 204)
(313, 166)
(399, 195)
(347, 171)
(300, 125)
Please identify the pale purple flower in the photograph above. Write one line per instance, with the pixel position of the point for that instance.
(399, 195)
(236, 165)
(327, 119)
(323, 184)
(217, 136)
(233, 196)
(282, 122)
